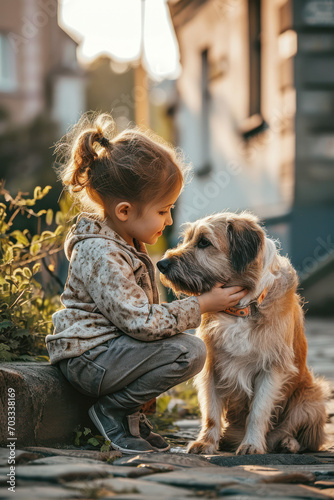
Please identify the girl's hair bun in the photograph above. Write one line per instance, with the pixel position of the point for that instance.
(104, 142)
(81, 147)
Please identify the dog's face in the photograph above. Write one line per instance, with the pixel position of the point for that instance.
(224, 247)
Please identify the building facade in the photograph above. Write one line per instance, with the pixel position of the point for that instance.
(255, 117)
(39, 72)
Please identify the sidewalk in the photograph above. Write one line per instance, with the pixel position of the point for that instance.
(51, 473)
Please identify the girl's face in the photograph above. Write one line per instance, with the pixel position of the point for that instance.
(150, 225)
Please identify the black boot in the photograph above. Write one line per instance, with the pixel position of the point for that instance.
(143, 427)
(115, 428)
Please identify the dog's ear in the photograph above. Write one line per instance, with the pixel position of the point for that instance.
(245, 240)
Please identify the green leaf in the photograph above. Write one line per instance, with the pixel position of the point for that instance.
(46, 190)
(4, 347)
(18, 245)
(20, 237)
(28, 203)
(36, 284)
(26, 357)
(59, 230)
(35, 248)
(77, 438)
(59, 218)
(12, 280)
(37, 193)
(41, 358)
(24, 283)
(18, 273)
(6, 355)
(27, 272)
(41, 212)
(87, 431)
(21, 333)
(2, 279)
(162, 403)
(46, 235)
(6, 324)
(93, 441)
(49, 217)
(36, 268)
(35, 238)
(9, 254)
(105, 446)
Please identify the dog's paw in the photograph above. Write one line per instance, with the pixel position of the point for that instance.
(250, 449)
(197, 447)
(290, 445)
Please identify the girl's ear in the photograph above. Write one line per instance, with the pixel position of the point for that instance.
(245, 239)
(122, 210)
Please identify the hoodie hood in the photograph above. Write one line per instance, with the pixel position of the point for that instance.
(87, 226)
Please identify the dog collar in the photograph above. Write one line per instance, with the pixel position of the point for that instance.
(252, 308)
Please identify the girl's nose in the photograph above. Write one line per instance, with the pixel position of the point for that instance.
(169, 221)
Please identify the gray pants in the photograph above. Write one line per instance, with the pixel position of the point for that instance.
(125, 373)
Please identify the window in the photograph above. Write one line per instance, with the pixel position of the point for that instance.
(8, 80)
(254, 19)
(255, 124)
(205, 167)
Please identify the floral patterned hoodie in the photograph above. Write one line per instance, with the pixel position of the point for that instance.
(111, 291)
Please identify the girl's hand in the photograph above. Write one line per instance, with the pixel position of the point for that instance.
(219, 299)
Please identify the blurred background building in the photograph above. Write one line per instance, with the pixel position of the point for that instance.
(252, 107)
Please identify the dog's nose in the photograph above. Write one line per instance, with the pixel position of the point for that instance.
(163, 265)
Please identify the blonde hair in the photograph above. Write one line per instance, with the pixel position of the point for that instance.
(99, 165)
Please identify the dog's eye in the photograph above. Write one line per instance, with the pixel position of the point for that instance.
(203, 243)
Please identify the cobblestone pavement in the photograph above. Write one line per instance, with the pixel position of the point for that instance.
(68, 472)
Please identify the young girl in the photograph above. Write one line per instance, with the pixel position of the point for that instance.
(113, 340)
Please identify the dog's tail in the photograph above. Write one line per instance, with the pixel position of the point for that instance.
(308, 413)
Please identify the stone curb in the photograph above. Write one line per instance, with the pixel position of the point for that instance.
(47, 407)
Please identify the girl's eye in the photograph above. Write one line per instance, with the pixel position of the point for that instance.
(164, 212)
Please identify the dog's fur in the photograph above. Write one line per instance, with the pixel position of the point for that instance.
(255, 391)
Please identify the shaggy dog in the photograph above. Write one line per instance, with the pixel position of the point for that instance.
(255, 391)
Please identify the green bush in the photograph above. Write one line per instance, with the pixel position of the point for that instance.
(25, 309)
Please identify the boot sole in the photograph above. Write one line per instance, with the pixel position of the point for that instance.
(97, 423)
(161, 449)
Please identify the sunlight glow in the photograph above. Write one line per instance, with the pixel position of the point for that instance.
(113, 28)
